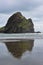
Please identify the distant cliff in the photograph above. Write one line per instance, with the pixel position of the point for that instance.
(17, 23)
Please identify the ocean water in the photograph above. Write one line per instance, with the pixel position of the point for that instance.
(26, 49)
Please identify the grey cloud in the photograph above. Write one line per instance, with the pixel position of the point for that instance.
(18, 5)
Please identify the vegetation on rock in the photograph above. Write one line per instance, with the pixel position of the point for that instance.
(2, 29)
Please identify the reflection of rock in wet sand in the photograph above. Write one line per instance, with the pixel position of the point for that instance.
(18, 48)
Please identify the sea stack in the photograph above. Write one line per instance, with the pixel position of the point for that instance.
(17, 23)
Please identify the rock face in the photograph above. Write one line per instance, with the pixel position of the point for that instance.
(17, 23)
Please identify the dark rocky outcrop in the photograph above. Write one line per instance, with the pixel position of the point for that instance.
(17, 23)
(38, 32)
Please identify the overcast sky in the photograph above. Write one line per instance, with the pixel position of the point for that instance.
(29, 8)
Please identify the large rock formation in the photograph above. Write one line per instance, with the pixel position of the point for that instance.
(17, 23)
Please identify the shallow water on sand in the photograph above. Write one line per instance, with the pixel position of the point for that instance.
(28, 52)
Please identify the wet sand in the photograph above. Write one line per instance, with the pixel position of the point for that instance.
(33, 57)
